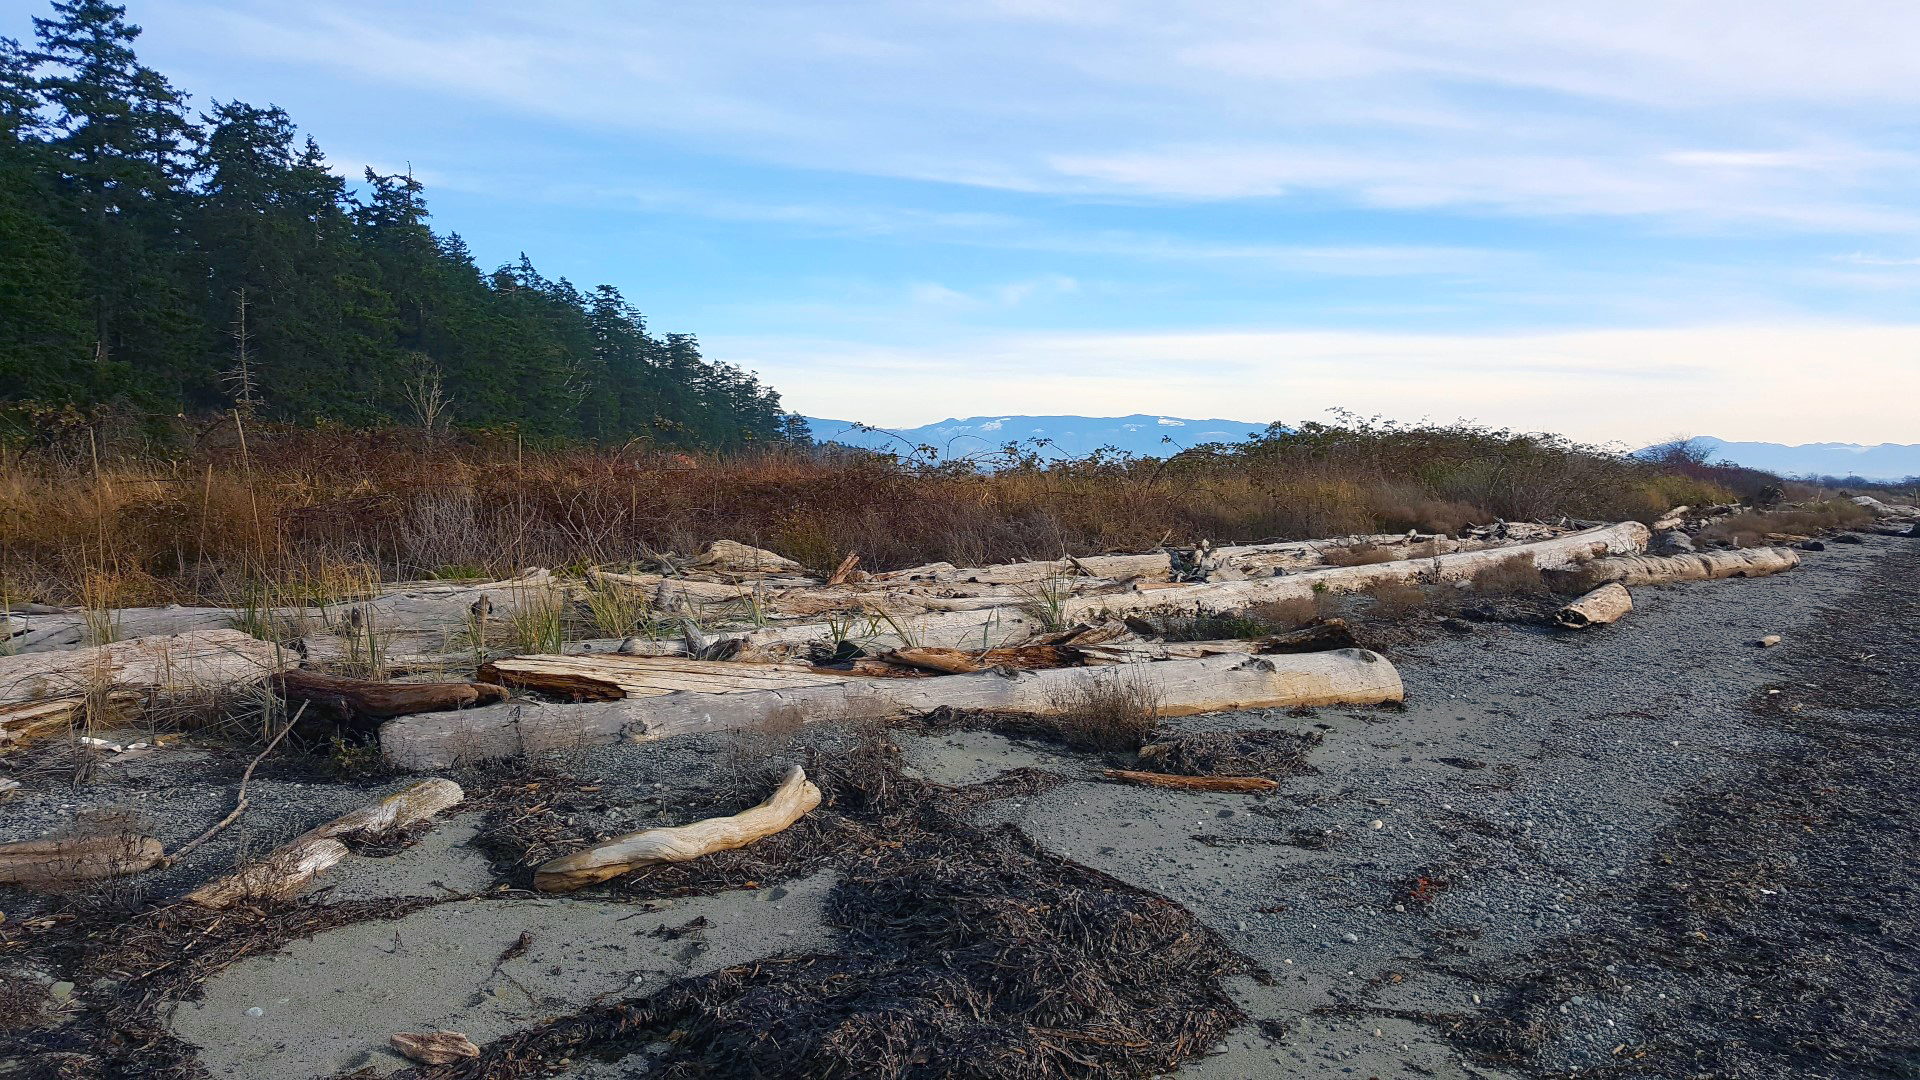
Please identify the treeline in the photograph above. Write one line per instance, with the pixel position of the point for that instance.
(159, 262)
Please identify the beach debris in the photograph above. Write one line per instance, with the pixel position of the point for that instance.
(1606, 604)
(284, 872)
(1664, 569)
(1193, 783)
(794, 798)
(53, 861)
(434, 1047)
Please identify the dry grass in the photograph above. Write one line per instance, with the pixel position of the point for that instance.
(1359, 555)
(1393, 599)
(306, 508)
(1753, 528)
(1515, 575)
(1117, 712)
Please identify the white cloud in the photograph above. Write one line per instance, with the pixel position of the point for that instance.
(1572, 108)
(1771, 382)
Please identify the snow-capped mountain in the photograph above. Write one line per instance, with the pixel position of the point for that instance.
(1142, 434)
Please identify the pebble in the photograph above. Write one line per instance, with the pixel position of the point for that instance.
(256, 1011)
(62, 991)
(1769, 641)
(1351, 939)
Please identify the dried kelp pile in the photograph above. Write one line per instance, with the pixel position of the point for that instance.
(964, 953)
(1274, 754)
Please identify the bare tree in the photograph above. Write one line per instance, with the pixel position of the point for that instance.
(425, 393)
(239, 378)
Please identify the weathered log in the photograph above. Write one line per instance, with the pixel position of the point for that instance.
(199, 660)
(377, 700)
(433, 1047)
(610, 677)
(1155, 566)
(964, 661)
(1193, 783)
(792, 800)
(22, 722)
(1663, 569)
(732, 557)
(82, 858)
(1209, 684)
(285, 872)
(1604, 605)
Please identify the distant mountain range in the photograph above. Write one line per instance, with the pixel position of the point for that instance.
(1153, 435)
(1142, 434)
(1887, 461)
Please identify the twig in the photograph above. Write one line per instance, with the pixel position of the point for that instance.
(240, 804)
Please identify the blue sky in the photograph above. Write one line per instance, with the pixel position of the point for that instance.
(1619, 220)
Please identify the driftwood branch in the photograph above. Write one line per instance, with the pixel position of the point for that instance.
(1194, 783)
(240, 802)
(1606, 604)
(84, 858)
(795, 797)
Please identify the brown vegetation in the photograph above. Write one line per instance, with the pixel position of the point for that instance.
(314, 510)
(1754, 528)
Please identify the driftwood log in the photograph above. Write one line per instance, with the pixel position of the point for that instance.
(367, 699)
(1606, 604)
(284, 872)
(433, 1047)
(792, 800)
(1665, 569)
(610, 677)
(198, 660)
(1182, 687)
(964, 661)
(83, 858)
(1194, 783)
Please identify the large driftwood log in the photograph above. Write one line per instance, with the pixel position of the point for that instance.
(199, 660)
(84, 858)
(1194, 783)
(1663, 569)
(1155, 566)
(794, 798)
(1606, 604)
(966, 661)
(284, 872)
(375, 700)
(1208, 684)
(610, 677)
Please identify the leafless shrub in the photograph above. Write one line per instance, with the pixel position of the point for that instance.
(1392, 599)
(1358, 555)
(1115, 712)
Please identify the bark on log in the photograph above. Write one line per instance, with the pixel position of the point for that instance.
(1193, 783)
(373, 700)
(199, 660)
(85, 858)
(285, 872)
(1604, 605)
(1182, 687)
(1663, 569)
(433, 1047)
(794, 798)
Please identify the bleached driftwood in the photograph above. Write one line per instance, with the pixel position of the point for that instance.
(198, 660)
(966, 661)
(368, 699)
(22, 722)
(84, 858)
(609, 677)
(733, 557)
(433, 1047)
(1155, 566)
(284, 872)
(1606, 604)
(1664, 569)
(1208, 684)
(1193, 783)
(794, 798)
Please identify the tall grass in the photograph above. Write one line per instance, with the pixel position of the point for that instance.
(209, 522)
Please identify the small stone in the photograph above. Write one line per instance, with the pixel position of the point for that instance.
(1769, 641)
(256, 1011)
(1241, 925)
(1377, 824)
(1351, 939)
(62, 991)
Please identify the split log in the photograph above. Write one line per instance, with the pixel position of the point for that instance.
(610, 677)
(83, 858)
(434, 1047)
(1322, 636)
(22, 722)
(965, 662)
(1194, 783)
(868, 668)
(1664, 569)
(374, 700)
(200, 660)
(1182, 687)
(285, 872)
(795, 797)
(1604, 605)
